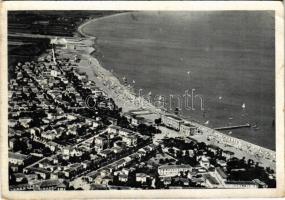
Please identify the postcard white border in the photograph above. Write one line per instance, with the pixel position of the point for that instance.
(147, 5)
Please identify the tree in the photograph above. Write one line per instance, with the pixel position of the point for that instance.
(171, 150)
(157, 121)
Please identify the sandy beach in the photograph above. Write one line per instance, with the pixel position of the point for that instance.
(124, 98)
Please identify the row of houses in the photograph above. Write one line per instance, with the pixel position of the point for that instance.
(40, 185)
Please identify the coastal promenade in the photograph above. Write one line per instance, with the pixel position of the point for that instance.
(125, 98)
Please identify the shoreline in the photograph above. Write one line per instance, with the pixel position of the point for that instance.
(124, 97)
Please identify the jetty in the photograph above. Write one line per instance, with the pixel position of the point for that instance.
(233, 127)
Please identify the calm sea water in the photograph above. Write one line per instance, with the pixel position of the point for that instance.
(227, 57)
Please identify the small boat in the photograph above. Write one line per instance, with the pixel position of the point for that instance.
(243, 106)
(230, 118)
(256, 128)
(207, 122)
(220, 97)
(230, 132)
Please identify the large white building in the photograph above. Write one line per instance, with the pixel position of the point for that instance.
(188, 129)
(173, 170)
(17, 158)
(171, 121)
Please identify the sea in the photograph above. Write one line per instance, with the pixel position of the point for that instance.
(216, 67)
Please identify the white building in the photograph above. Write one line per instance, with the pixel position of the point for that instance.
(17, 158)
(171, 121)
(173, 170)
(188, 129)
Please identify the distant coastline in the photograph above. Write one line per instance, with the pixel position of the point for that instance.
(242, 145)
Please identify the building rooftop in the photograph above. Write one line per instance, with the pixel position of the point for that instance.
(174, 166)
(212, 179)
(17, 156)
(174, 117)
(221, 172)
(51, 183)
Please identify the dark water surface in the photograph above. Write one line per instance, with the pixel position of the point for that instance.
(228, 57)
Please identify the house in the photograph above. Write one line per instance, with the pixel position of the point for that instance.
(106, 153)
(66, 150)
(173, 170)
(77, 167)
(190, 152)
(12, 143)
(116, 149)
(121, 163)
(130, 140)
(31, 178)
(152, 147)
(181, 180)
(25, 121)
(75, 152)
(52, 185)
(94, 157)
(107, 179)
(21, 187)
(135, 120)
(70, 151)
(17, 158)
(35, 130)
(62, 42)
(188, 129)
(50, 135)
(228, 154)
(126, 170)
(112, 120)
(72, 130)
(86, 164)
(125, 132)
(19, 177)
(204, 162)
(171, 121)
(141, 177)
(51, 145)
(43, 173)
(221, 163)
(98, 179)
(166, 180)
(120, 144)
(12, 123)
(221, 175)
(213, 148)
(113, 129)
(211, 182)
(101, 142)
(123, 177)
(260, 183)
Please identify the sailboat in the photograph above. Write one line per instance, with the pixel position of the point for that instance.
(243, 106)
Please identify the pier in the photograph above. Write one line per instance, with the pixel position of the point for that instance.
(233, 127)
